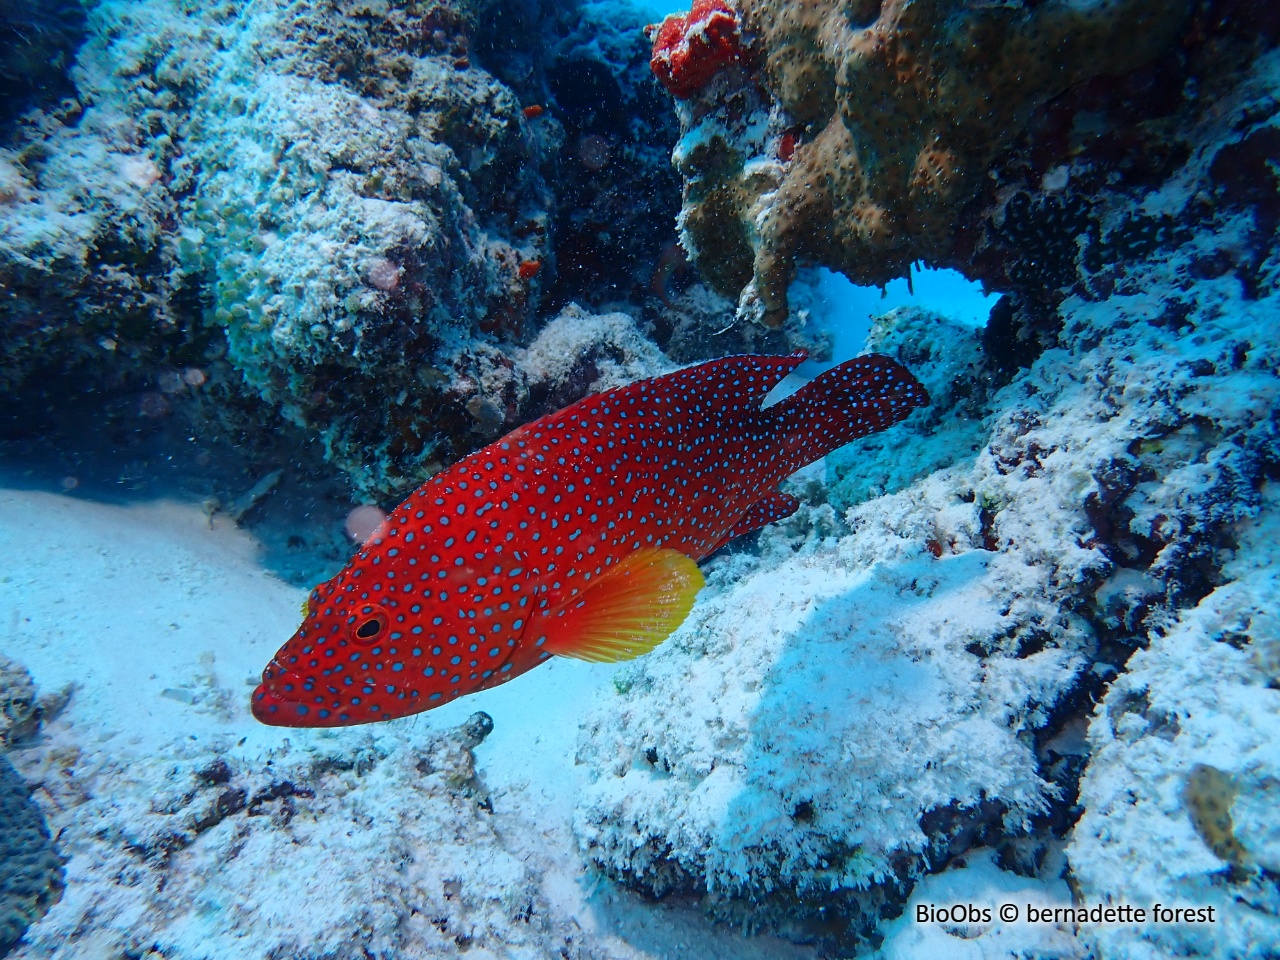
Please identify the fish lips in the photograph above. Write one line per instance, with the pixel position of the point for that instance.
(270, 707)
(273, 704)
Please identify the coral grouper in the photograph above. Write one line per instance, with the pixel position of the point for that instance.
(576, 535)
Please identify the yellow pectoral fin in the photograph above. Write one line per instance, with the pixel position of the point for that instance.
(628, 610)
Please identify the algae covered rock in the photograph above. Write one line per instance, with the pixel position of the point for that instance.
(366, 198)
(327, 211)
(31, 880)
(866, 137)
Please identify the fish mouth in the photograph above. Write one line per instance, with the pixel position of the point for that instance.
(285, 699)
(270, 707)
(270, 704)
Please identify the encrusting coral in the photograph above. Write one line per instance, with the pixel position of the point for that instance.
(870, 127)
(32, 878)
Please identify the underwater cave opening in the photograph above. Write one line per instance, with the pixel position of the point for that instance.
(847, 309)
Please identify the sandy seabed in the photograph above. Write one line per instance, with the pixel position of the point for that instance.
(162, 619)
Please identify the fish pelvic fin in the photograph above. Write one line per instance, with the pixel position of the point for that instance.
(860, 396)
(626, 611)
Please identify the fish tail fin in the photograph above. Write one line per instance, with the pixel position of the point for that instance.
(860, 396)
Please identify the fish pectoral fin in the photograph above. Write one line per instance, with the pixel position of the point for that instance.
(626, 611)
(766, 510)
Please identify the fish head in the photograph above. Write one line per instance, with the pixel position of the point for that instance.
(400, 630)
(315, 679)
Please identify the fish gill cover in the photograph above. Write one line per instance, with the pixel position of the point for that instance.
(1024, 645)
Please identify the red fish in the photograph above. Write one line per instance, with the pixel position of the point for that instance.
(576, 535)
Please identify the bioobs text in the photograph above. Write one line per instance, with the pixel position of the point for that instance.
(1096, 913)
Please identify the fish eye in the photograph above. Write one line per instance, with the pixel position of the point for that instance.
(370, 629)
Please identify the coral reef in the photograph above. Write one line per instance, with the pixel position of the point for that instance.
(1012, 647)
(395, 191)
(199, 830)
(575, 354)
(1086, 520)
(193, 832)
(699, 324)
(317, 209)
(579, 353)
(958, 377)
(84, 270)
(32, 879)
(844, 730)
(1181, 759)
(868, 137)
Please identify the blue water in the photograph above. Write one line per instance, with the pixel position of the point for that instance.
(850, 308)
(661, 9)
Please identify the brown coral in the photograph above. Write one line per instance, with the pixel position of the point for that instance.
(1208, 794)
(904, 107)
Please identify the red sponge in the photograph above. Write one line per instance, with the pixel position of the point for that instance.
(689, 49)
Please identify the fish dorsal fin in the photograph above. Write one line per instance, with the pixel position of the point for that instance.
(625, 611)
(740, 381)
